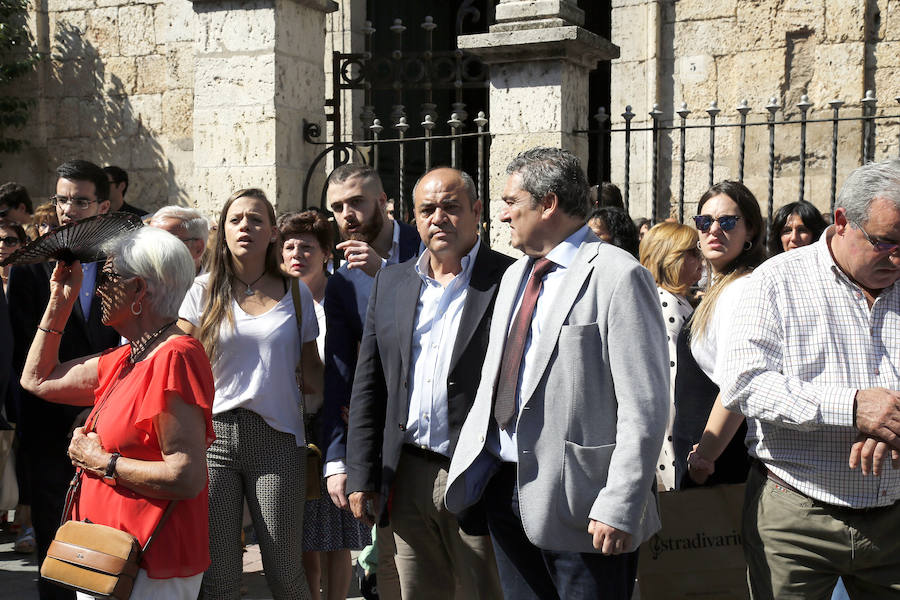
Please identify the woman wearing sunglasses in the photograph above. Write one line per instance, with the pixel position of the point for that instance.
(732, 240)
(144, 444)
(12, 237)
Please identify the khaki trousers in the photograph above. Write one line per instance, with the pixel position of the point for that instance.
(797, 547)
(435, 558)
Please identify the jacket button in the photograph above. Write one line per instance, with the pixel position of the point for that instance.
(402, 426)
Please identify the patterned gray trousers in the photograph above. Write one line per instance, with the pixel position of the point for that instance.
(251, 460)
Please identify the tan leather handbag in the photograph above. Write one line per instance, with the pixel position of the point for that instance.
(95, 559)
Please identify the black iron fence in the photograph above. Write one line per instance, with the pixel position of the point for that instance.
(609, 135)
(405, 146)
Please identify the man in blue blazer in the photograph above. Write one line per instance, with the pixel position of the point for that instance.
(571, 410)
(371, 240)
(81, 191)
(425, 337)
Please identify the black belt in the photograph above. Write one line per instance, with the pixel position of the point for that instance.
(425, 453)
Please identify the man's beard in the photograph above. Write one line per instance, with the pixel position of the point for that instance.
(367, 232)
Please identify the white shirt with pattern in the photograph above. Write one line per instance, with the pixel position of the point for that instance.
(805, 340)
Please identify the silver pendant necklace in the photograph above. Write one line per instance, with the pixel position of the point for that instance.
(249, 291)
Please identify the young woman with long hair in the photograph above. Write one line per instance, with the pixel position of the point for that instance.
(242, 312)
(732, 240)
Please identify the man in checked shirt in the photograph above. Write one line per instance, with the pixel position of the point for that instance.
(814, 365)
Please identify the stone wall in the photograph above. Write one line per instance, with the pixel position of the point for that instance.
(697, 52)
(193, 99)
(117, 88)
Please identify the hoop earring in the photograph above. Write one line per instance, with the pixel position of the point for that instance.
(139, 310)
(698, 245)
(747, 245)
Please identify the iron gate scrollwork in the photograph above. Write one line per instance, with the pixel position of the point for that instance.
(397, 76)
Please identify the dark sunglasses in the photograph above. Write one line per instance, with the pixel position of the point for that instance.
(726, 222)
(10, 240)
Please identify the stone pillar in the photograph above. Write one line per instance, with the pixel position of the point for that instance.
(540, 57)
(257, 75)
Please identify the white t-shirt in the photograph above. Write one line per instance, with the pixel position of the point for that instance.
(320, 318)
(709, 351)
(255, 367)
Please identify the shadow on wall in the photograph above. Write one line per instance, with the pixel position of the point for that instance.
(93, 112)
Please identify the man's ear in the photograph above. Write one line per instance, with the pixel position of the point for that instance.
(103, 207)
(197, 247)
(549, 205)
(840, 221)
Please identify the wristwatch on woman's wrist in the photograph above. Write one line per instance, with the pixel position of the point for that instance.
(109, 477)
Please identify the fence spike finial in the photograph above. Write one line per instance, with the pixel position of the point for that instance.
(601, 117)
(743, 107)
(398, 26)
(804, 104)
(376, 127)
(713, 109)
(480, 120)
(402, 125)
(429, 24)
(683, 112)
(428, 123)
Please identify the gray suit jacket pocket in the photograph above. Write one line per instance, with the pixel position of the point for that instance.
(584, 473)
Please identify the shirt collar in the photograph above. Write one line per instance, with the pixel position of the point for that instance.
(393, 256)
(467, 262)
(564, 253)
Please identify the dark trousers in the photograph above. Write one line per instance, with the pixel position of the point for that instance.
(527, 571)
(50, 476)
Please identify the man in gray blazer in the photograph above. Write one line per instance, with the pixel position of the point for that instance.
(570, 413)
(426, 332)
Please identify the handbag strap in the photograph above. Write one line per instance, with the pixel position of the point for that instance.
(298, 314)
(162, 521)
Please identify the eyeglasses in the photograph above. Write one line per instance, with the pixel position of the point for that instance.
(10, 240)
(726, 222)
(80, 203)
(887, 247)
(108, 276)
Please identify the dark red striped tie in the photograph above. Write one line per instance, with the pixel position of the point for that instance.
(508, 380)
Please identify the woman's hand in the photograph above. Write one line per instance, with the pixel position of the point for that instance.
(699, 468)
(87, 452)
(65, 283)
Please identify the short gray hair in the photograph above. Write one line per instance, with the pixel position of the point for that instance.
(194, 224)
(468, 183)
(874, 180)
(544, 170)
(161, 260)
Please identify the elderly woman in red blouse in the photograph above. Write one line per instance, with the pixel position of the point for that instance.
(144, 443)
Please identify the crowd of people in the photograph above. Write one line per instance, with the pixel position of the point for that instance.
(489, 427)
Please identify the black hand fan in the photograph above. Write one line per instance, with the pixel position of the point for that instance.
(79, 240)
